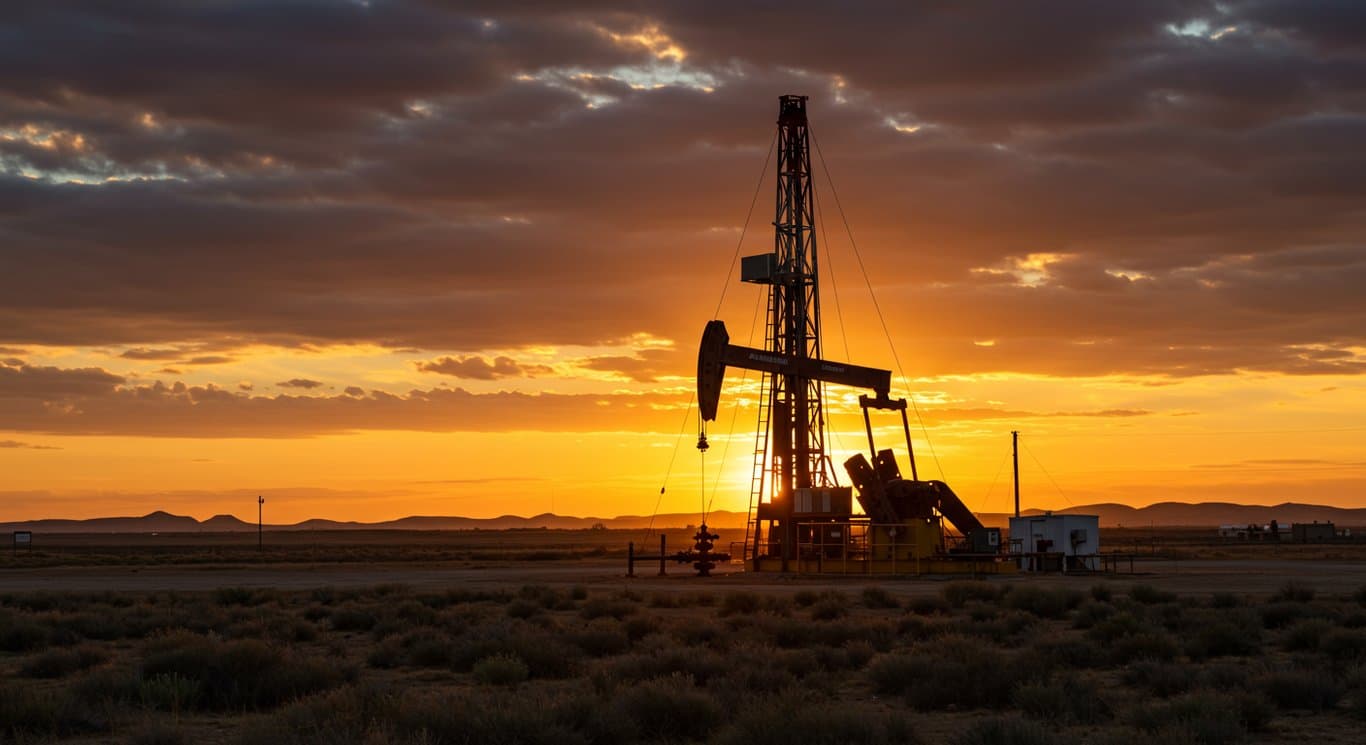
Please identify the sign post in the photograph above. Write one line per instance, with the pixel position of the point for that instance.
(23, 538)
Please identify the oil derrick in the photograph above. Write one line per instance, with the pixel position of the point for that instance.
(798, 511)
(793, 401)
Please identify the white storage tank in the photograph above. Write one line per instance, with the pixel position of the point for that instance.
(1075, 537)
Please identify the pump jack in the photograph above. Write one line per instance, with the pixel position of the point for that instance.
(803, 504)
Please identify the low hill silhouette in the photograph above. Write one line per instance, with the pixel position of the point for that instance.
(1163, 514)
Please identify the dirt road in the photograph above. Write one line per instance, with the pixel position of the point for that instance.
(1185, 577)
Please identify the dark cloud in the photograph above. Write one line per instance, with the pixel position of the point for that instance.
(644, 366)
(303, 383)
(16, 445)
(178, 410)
(144, 353)
(474, 367)
(470, 176)
(35, 383)
(209, 359)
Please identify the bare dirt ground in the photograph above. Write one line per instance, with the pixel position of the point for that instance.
(1182, 560)
(390, 637)
(1187, 577)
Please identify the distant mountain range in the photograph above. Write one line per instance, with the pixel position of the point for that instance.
(1165, 514)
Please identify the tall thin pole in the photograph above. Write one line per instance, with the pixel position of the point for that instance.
(1015, 464)
(260, 525)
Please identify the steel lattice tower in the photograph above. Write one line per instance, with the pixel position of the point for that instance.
(794, 404)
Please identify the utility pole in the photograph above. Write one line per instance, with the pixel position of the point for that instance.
(260, 525)
(1015, 463)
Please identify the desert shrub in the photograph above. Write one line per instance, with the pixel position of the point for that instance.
(1091, 613)
(1305, 635)
(522, 608)
(168, 692)
(858, 653)
(807, 598)
(1344, 646)
(346, 715)
(541, 595)
(880, 634)
(979, 611)
(1281, 614)
(1225, 600)
(104, 687)
(961, 592)
(1206, 718)
(1294, 592)
(928, 605)
(243, 674)
(425, 649)
(489, 715)
(27, 712)
(662, 600)
(1101, 593)
(501, 669)
(1113, 627)
(1303, 689)
(19, 634)
(794, 716)
(1065, 700)
(59, 663)
(878, 598)
(956, 673)
(1070, 652)
(387, 655)
(1001, 629)
(352, 619)
(1149, 595)
(1163, 679)
(546, 656)
(159, 733)
(740, 603)
(1225, 676)
(1223, 637)
(578, 593)
(670, 708)
(1151, 645)
(1004, 731)
(701, 599)
(830, 607)
(601, 607)
(640, 626)
(600, 638)
(1042, 602)
(700, 665)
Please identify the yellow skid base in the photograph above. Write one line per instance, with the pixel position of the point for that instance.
(880, 566)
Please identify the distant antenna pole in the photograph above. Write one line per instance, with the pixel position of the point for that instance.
(1015, 464)
(260, 526)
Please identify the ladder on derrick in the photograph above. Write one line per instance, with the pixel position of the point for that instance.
(760, 460)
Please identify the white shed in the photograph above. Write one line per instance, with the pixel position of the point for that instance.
(1076, 537)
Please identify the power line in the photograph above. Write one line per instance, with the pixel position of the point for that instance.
(687, 414)
(1046, 473)
(730, 272)
(987, 498)
(876, 305)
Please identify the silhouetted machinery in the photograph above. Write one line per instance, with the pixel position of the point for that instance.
(800, 517)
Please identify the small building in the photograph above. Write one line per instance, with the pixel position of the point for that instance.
(1057, 542)
(1315, 532)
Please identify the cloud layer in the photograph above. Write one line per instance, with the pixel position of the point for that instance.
(1073, 188)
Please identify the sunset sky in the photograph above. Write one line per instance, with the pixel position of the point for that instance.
(374, 259)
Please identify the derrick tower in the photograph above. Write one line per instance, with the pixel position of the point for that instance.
(798, 512)
(791, 419)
